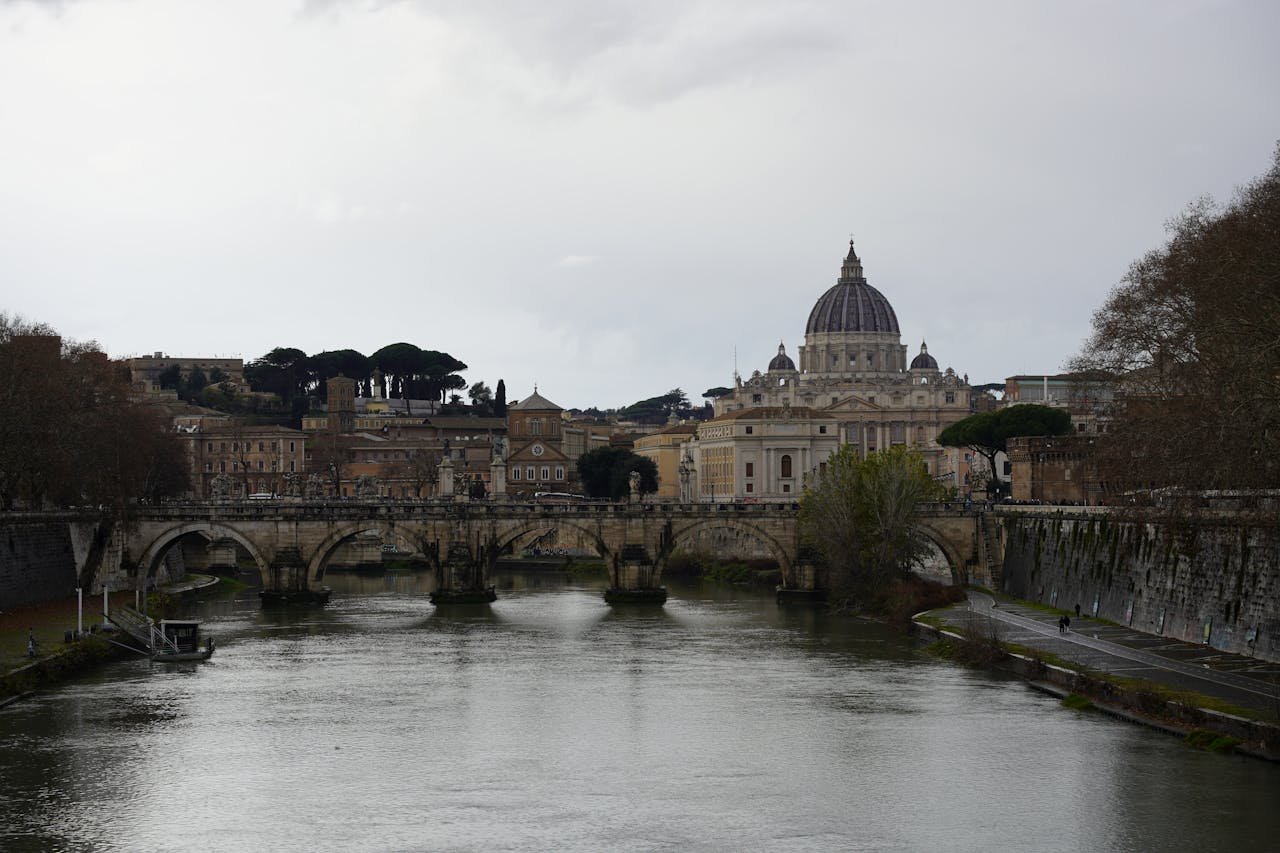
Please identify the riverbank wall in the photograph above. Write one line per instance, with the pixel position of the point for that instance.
(1211, 579)
(47, 556)
(1135, 704)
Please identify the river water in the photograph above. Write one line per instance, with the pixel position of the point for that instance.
(549, 721)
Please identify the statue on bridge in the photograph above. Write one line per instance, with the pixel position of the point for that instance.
(220, 487)
(314, 488)
(366, 486)
(292, 485)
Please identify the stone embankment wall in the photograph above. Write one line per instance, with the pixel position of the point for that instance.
(37, 563)
(1211, 579)
(44, 557)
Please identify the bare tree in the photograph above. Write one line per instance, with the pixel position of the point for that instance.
(1191, 336)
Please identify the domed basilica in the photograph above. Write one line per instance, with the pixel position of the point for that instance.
(853, 384)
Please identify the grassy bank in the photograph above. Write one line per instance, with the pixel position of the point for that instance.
(1206, 722)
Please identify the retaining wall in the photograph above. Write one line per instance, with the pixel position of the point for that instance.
(1210, 579)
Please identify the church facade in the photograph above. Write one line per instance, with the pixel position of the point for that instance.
(853, 385)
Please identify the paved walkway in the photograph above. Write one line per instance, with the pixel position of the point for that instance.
(1106, 647)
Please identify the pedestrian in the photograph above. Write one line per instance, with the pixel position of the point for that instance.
(1061, 628)
(31, 643)
(1077, 611)
(1066, 624)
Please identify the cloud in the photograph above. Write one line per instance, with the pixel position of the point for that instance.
(575, 261)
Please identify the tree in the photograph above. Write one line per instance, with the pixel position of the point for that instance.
(1191, 339)
(657, 410)
(69, 433)
(500, 400)
(170, 378)
(606, 472)
(481, 398)
(716, 393)
(350, 363)
(195, 383)
(284, 372)
(859, 516)
(438, 375)
(399, 363)
(988, 433)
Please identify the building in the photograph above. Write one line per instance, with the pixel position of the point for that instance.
(667, 450)
(244, 460)
(536, 461)
(761, 454)
(853, 380)
(1086, 396)
(1055, 469)
(145, 373)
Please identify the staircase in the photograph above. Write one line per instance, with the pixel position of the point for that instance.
(141, 628)
(990, 554)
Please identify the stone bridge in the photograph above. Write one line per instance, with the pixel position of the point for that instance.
(293, 542)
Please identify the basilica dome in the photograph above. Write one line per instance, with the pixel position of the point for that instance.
(852, 305)
(924, 361)
(782, 361)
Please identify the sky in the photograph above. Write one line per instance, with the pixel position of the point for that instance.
(608, 199)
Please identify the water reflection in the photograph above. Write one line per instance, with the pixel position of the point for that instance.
(549, 720)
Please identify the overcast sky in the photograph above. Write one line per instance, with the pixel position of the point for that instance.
(608, 198)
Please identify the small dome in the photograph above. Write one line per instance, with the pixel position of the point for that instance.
(852, 305)
(782, 361)
(924, 361)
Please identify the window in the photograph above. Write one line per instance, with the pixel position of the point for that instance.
(871, 359)
(535, 427)
(515, 473)
(822, 429)
(222, 467)
(292, 466)
(528, 473)
(260, 465)
(1008, 468)
(755, 398)
(235, 466)
(750, 430)
(751, 469)
(786, 488)
(274, 446)
(261, 446)
(559, 472)
(208, 466)
(211, 447)
(291, 447)
(751, 487)
(784, 466)
(951, 396)
(546, 472)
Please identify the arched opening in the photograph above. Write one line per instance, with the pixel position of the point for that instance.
(201, 549)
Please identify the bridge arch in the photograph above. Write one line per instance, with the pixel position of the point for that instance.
(416, 534)
(513, 531)
(947, 546)
(166, 539)
(683, 532)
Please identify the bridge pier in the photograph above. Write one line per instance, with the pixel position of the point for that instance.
(222, 556)
(801, 586)
(288, 582)
(462, 576)
(633, 578)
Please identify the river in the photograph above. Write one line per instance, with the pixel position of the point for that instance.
(549, 721)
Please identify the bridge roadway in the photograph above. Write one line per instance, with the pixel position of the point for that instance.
(292, 540)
